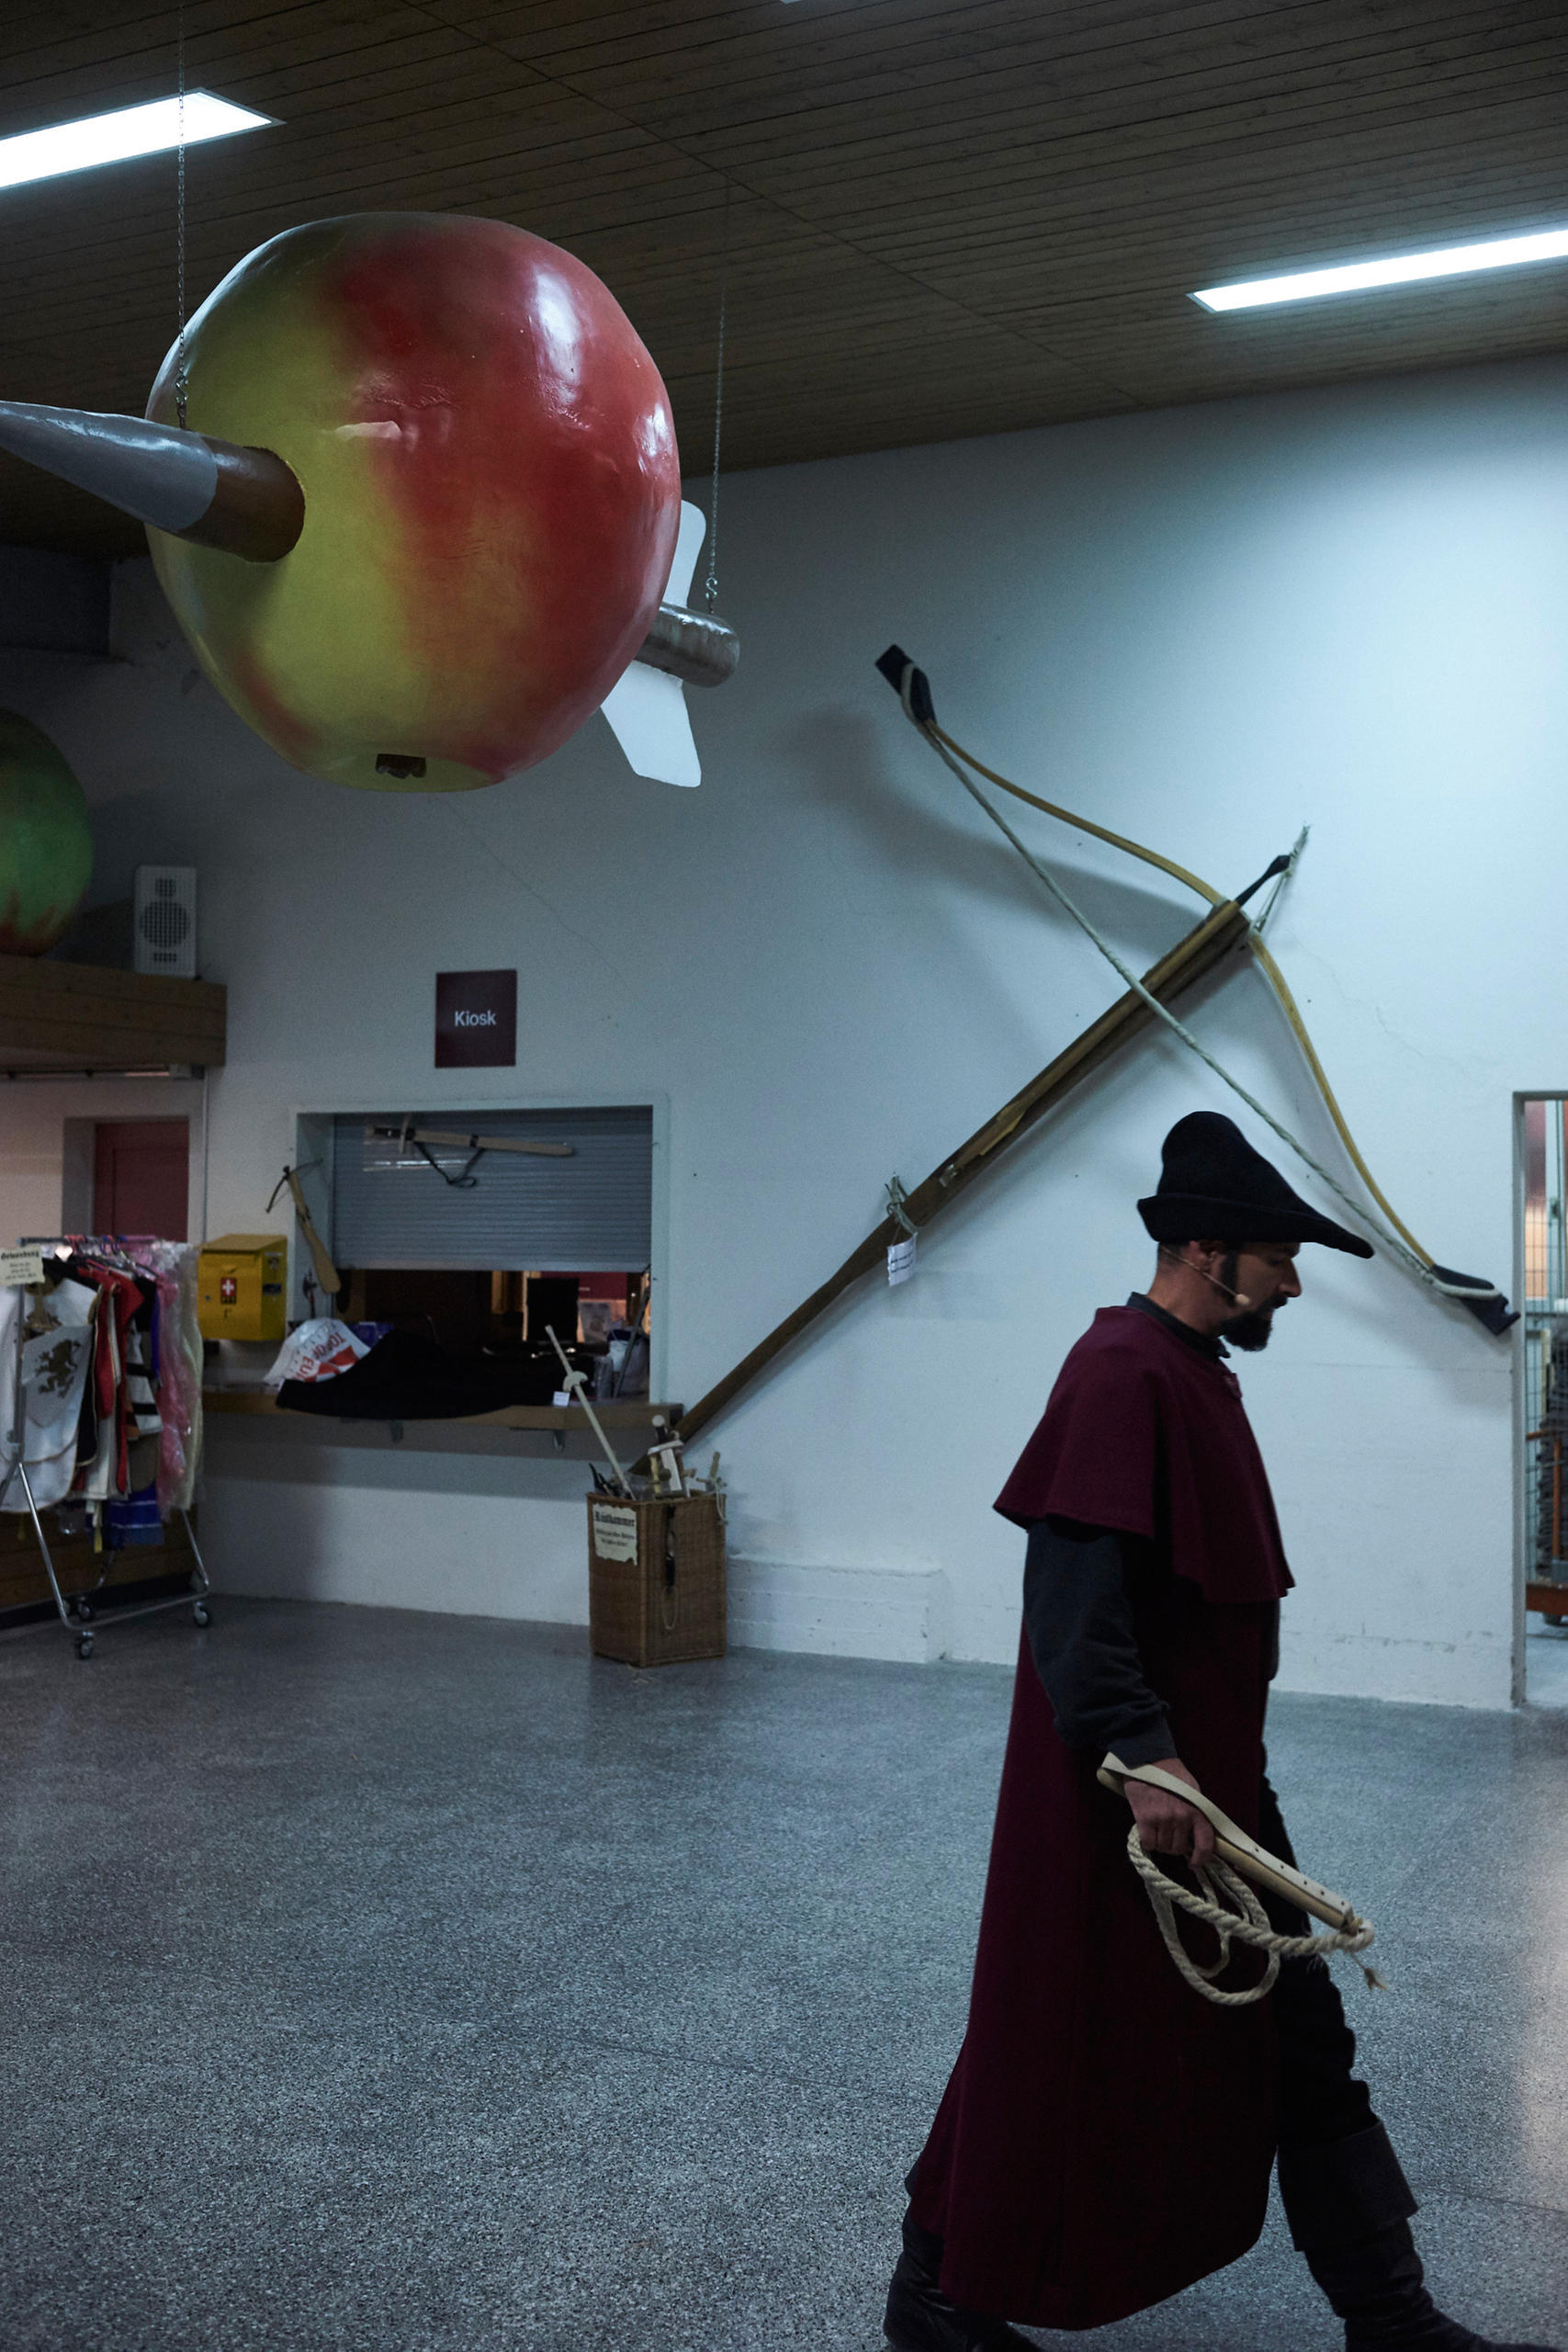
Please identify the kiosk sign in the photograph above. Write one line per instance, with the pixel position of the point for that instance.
(476, 1020)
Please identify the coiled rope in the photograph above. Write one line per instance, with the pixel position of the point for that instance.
(1229, 1905)
(1396, 1236)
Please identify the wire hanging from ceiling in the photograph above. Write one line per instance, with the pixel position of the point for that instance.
(182, 381)
(710, 586)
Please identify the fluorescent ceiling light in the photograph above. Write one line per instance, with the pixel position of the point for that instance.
(1401, 269)
(112, 138)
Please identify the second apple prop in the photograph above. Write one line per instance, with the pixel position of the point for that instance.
(46, 841)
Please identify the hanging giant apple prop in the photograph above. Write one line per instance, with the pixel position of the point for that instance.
(421, 510)
(492, 493)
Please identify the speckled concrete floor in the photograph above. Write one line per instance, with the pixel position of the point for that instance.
(380, 1982)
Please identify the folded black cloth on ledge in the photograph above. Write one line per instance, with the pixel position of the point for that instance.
(408, 1378)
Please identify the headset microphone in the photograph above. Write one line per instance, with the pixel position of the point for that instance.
(1238, 1298)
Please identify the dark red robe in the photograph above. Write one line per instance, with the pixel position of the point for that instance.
(1107, 2135)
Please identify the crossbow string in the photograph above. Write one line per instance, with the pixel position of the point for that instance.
(1488, 1304)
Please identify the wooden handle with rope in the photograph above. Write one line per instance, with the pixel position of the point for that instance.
(1226, 1903)
(1233, 1846)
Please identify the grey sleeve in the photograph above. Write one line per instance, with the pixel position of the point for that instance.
(1080, 1623)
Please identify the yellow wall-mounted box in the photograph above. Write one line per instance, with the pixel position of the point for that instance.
(241, 1286)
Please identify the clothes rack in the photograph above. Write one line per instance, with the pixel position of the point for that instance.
(77, 1611)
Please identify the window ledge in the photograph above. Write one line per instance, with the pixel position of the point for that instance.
(623, 1414)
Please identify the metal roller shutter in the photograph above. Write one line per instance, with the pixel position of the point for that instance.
(593, 1211)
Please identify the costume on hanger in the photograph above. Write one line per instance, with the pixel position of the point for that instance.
(57, 1348)
(112, 1364)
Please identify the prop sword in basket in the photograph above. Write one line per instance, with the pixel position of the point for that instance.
(578, 1388)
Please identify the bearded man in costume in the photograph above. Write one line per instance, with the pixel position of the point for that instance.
(1152, 1588)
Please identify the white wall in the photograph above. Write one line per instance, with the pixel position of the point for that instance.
(1205, 625)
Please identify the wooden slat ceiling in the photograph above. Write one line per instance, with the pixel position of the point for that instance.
(944, 217)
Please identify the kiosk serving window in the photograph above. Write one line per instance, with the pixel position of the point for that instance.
(480, 1228)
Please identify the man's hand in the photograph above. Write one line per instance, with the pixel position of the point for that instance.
(1165, 1824)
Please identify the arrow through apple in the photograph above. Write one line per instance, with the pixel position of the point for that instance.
(433, 518)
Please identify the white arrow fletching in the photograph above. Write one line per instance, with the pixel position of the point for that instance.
(647, 708)
(647, 711)
(688, 547)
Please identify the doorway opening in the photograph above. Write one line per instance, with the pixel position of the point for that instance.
(141, 1177)
(1544, 1215)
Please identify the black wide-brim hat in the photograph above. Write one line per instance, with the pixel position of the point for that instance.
(1214, 1187)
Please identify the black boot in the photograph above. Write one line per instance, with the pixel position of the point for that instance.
(920, 2319)
(1376, 2289)
(1348, 2206)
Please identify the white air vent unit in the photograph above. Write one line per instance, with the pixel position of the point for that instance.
(164, 925)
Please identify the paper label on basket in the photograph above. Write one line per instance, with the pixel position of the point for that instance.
(614, 1531)
(901, 1259)
(21, 1266)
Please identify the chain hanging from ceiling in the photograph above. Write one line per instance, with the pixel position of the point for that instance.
(710, 586)
(182, 381)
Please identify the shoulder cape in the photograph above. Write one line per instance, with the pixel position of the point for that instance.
(1146, 1434)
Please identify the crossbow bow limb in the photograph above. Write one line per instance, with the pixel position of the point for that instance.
(1487, 1304)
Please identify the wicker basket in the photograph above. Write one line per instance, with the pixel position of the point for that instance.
(656, 1578)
